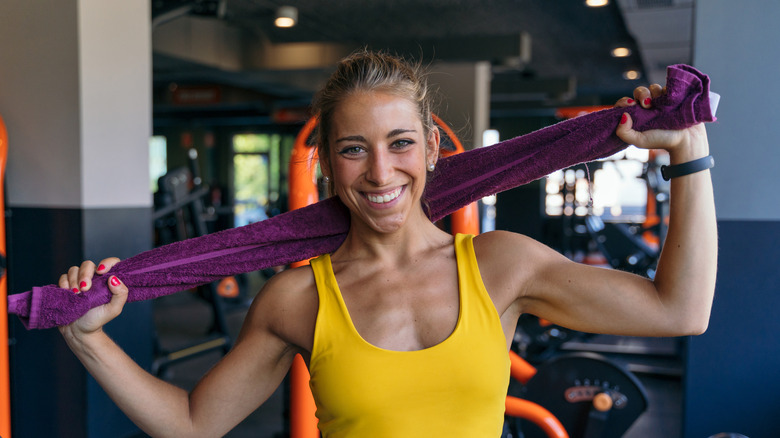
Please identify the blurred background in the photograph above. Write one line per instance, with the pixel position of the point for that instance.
(135, 124)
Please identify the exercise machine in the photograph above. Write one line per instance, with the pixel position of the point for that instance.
(5, 382)
(587, 395)
(179, 214)
(636, 248)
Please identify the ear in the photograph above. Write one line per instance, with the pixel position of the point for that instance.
(432, 149)
(324, 165)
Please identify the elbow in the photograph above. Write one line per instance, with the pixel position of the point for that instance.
(699, 328)
(685, 322)
(689, 328)
(691, 325)
(691, 317)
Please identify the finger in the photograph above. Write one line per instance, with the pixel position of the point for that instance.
(624, 131)
(72, 279)
(624, 102)
(86, 272)
(656, 90)
(105, 265)
(642, 96)
(118, 296)
(64, 281)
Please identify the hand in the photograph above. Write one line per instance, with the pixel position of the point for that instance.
(79, 279)
(682, 145)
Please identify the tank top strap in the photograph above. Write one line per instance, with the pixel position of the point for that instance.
(475, 298)
(332, 316)
(323, 278)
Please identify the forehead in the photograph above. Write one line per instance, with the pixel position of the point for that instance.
(365, 112)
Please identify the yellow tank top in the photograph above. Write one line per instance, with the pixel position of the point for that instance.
(454, 389)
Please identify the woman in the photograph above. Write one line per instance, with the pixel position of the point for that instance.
(405, 328)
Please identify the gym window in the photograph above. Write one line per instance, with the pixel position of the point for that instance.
(257, 175)
(158, 159)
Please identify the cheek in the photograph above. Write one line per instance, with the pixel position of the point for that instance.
(343, 175)
(421, 161)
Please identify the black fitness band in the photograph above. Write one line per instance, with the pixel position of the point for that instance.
(669, 172)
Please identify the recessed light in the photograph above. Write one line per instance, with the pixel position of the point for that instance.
(286, 16)
(596, 3)
(632, 75)
(621, 52)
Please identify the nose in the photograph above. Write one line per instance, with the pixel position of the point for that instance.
(380, 167)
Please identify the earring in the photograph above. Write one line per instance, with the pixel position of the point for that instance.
(326, 179)
(431, 167)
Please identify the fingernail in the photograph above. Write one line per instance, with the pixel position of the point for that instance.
(83, 284)
(623, 119)
(629, 101)
(101, 267)
(647, 102)
(75, 290)
(115, 281)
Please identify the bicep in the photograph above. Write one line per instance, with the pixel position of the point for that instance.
(529, 277)
(594, 299)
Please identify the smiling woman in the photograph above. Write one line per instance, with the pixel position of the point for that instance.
(379, 157)
(402, 308)
(375, 72)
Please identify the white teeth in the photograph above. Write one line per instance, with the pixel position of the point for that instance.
(381, 199)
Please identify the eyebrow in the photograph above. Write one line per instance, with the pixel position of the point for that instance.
(391, 134)
(399, 131)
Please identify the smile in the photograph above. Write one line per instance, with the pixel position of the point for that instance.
(384, 198)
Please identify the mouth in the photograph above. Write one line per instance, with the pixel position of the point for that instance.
(384, 198)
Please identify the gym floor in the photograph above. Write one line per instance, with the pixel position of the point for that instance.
(183, 318)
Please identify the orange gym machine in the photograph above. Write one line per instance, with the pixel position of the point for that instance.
(5, 390)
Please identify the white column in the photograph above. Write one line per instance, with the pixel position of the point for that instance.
(76, 98)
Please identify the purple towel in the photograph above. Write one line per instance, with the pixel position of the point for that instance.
(320, 228)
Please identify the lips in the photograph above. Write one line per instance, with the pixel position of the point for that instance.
(384, 198)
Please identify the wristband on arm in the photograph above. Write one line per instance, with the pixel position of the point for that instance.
(682, 169)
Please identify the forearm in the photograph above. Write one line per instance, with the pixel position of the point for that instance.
(685, 278)
(157, 407)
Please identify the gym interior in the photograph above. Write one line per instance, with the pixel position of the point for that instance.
(131, 125)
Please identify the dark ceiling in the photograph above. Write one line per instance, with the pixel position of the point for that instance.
(569, 42)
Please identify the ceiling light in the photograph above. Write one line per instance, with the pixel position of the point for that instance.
(286, 16)
(596, 3)
(621, 52)
(632, 75)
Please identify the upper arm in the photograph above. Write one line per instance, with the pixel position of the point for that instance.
(530, 277)
(275, 330)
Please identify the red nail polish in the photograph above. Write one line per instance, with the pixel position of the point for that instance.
(629, 101)
(101, 267)
(623, 119)
(75, 290)
(115, 281)
(647, 102)
(83, 284)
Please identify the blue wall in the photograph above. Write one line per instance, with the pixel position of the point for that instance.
(731, 376)
(731, 383)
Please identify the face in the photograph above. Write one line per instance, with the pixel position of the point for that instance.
(378, 159)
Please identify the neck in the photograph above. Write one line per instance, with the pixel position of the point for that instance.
(416, 234)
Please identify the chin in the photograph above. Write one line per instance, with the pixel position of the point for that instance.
(388, 225)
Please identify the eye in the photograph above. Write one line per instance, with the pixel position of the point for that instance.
(350, 150)
(402, 143)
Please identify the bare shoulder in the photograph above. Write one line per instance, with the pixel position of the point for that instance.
(499, 247)
(287, 307)
(509, 263)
